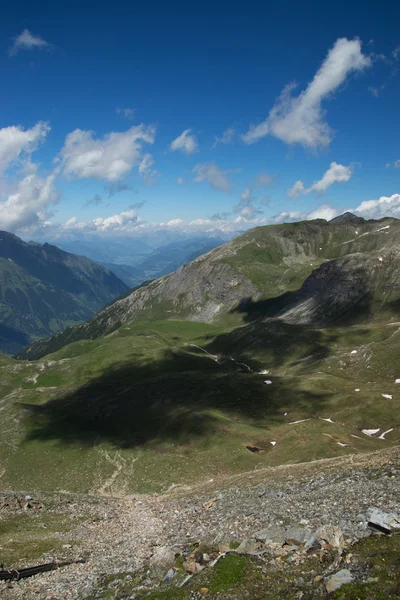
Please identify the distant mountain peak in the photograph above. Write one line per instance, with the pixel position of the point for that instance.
(349, 218)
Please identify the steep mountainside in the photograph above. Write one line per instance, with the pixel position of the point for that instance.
(313, 272)
(44, 289)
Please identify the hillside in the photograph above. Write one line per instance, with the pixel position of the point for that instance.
(44, 289)
(312, 272)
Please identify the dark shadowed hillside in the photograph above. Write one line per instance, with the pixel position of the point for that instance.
(44, 289)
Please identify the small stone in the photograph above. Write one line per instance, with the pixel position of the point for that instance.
(334, 582)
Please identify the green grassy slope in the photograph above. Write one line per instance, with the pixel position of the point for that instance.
(171, 400)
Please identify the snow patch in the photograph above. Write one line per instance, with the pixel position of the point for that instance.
(353, 352)
(265, 372)
(328, 420)
(267, 382)
(273, 443)
(382, 228)
(370, 432)
(357, 390)
(382, 436)
(301, 421)
(388, 396)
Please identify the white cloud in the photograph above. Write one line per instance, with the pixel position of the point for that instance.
(300, 119)
(124, 221)
(385, 206)
(26, 205)
(128, 113)
(213, 175)
(185, 142)
(323, 212)
(296, 190)
(27, 41)
(335, 174)
(180, 181)
(226, 137)
(109, 158)
(17, 143)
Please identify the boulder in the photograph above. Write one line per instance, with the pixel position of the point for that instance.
(334, 582)
(383, 521)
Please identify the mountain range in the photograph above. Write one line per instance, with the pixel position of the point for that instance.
(44, 289)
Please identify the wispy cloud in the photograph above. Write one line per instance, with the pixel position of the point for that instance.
(128, 113)
(300, 119)
(226, 138)
(215, 177)
(95, 201)
(27, 41)
(185, 142)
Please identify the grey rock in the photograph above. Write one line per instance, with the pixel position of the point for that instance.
(383, 521)
(297, 535)
(248, 547)
(164, 556)
(334, 582)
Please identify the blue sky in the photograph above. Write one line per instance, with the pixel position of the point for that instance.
(120, 117)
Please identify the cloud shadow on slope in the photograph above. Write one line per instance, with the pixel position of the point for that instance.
(180, 398)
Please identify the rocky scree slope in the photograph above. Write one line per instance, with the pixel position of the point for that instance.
(44, 289)
(301, 531)
(313, 272)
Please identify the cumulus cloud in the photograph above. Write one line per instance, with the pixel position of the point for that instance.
(226, 137)
(385, 206)
(335, 174)
(27, 41)
(128, 113)
(325, 211)
(26, 205)
(109, 158)
(216, 178)
(185, 143)
(297, 190)
(17, 143)
(300, 119)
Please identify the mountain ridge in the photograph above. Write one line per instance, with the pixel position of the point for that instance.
(262, 263)
(44, 288)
